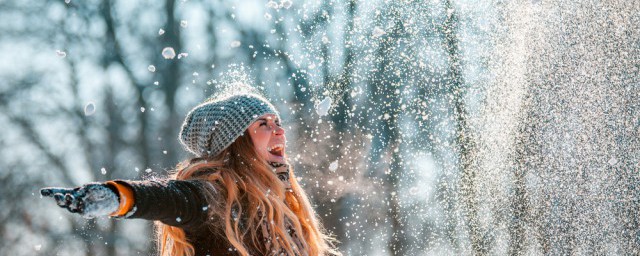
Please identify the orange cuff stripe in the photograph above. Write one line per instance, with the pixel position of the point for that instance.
(126, 198)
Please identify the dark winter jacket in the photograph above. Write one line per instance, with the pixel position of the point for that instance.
(182, 203)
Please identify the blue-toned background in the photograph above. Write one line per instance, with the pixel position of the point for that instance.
(417, 127)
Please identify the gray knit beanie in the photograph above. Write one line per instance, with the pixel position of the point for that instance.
(213, 125)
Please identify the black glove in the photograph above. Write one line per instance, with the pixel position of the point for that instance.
(90, 201)
(282, 170)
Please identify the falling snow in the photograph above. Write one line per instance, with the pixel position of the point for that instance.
(323, 107)
(333, 166)
(168, 53)
(89, 109)
(378, 32)
(272, 4)
(416, 127)
(286, 4)
(61, 54)
(235, 44)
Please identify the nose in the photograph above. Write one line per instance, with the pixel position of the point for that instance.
(278, 130)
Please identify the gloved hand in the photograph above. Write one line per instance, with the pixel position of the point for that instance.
(282, 170)
(90, 201)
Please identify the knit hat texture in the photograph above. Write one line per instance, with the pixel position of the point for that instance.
(213, 125)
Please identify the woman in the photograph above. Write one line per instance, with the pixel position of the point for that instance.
(238, 196)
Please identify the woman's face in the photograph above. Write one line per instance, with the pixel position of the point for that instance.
(268, 138)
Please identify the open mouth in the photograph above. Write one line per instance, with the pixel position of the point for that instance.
(277, 150)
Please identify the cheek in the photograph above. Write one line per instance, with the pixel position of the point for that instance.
(260, 143)
(260, 139)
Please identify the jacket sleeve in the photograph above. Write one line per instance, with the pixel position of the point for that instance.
(180, 203)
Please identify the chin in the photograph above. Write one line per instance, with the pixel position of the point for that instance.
(274, 158)
(279, 159)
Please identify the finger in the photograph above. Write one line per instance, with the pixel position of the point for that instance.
(60, 199)
(68, 199)
(46, 192)
(52, 191)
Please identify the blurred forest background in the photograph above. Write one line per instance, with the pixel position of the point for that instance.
(454, 127)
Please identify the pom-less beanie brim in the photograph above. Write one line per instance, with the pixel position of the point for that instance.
(213, 125)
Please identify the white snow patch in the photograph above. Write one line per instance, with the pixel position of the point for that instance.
(100, 201)
(378, 32)
(333, 166)
(286, 3)
(272, 4)
(325, 40)
(323, 107)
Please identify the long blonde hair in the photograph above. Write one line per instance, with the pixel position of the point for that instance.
(250, 189)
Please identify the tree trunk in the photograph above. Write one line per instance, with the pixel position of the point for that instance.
(464, 135)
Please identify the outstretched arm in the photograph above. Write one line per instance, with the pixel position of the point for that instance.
(181, 203)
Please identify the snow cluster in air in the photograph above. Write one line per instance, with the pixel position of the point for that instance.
(89, 109)
(168, 53)
(323, 107)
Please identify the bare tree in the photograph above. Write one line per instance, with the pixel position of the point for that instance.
(464, 133)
